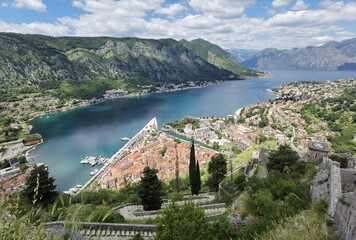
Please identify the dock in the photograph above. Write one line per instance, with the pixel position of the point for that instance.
(121, 153)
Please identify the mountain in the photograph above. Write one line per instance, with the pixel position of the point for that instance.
(330, 56)
(218, 57)
(242, 54)
(48, 61)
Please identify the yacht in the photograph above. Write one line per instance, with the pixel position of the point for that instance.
(94, 172)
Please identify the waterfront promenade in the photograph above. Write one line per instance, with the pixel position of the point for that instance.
(122, 152)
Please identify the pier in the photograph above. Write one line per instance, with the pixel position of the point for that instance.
(122, 152)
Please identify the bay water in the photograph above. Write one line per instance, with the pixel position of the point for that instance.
(97, 130)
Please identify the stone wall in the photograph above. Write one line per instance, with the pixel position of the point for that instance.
(106, 230)
(348, 180)
(327, 183)
(345, 216)
(335, 187)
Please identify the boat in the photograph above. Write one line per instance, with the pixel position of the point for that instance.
(78, 186)
(85, 160)
(125, 139)
(73, 189)
(94, 172)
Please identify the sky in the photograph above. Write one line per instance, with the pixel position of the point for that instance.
(247, 24)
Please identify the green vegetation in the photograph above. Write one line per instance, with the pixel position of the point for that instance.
(43, 62)
(87, 90)
(217, 169)
(32, 137)
(128, 194)
(308, 224)
(218, 57)
(163, 151)
(341, 160)
(340, 115)
(183, 223)
(149, 190)
(282, 159)
(194, 172)
(180, 125)
(40, 189)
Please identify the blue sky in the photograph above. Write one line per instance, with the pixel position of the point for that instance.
(228, 23)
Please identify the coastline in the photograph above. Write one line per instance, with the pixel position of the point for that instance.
(85, 103)
(239, 110)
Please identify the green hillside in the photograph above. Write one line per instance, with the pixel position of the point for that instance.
(218, 57)
(47, 62)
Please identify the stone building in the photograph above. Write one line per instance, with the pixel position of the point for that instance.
(316, 151)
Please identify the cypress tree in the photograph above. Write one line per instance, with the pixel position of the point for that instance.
(192, 170)
(197, 175)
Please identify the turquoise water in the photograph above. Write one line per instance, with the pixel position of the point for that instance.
(98, 129)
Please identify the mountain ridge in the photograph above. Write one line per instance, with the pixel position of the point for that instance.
(217, 56)
(332, 55)
(44, 61)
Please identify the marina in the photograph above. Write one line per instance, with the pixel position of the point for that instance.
(92, 161)
(121, 153)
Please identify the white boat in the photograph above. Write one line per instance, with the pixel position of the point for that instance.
(68, 192)
(125, 139)
(85, 160)
(78, 186)
(94, 172)
(74, 189)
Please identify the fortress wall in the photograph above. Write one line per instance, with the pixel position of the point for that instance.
(335, 187)
(348, 180)
(345, 216)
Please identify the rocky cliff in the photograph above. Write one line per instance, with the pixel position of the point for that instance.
(48, 61)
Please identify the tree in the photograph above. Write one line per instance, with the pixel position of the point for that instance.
(40, 189)
(282, 159)
(198, 179)
(217, 169)
(149, 190)
(194, 172)
(183, 223)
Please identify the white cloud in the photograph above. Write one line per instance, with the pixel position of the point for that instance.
(36, 5)
(222, 22)
(280, 3)
(35, 28)
(300, 5)
(172, 10)
(227, 9)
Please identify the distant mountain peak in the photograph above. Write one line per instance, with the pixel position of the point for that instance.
(332, 55)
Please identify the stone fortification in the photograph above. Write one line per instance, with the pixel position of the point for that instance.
(335, 186)
(327, 184)
(104, 231)
(338, 186)
(348, 180)
(345, 216)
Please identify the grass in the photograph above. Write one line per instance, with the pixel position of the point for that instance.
(311, 224)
